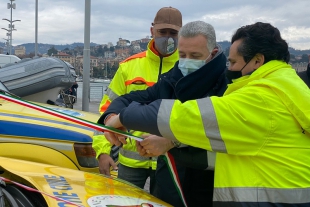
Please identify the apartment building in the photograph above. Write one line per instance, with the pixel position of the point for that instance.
(20, 50)
(109, 54)
(122, 42)
(65, 57)
(93, 61)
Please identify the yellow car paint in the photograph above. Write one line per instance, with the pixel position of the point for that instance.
(82, 188)
(29, 134)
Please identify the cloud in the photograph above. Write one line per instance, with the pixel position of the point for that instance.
(62, 21)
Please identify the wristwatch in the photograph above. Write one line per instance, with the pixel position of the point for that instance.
(176, 143)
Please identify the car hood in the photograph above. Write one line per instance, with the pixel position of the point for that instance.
(25, 117)
(81, 188)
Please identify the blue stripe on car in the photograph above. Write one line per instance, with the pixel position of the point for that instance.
(39, 131)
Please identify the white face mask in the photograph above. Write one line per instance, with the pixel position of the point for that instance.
(188, 66)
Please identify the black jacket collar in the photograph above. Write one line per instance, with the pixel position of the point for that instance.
(206, 81)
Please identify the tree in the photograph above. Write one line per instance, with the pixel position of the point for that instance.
(292, 58)
(114, 69)
(52, 50)
(67, 50)
(143, 46)
(31, 55)
(97, 72)
(100, 51)
(105, 48)
(304, 58)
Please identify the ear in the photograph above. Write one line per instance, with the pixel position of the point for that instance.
(152, 32)
(259, 60)
(214, 51)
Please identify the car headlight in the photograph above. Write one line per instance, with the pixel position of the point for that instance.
(85, 155)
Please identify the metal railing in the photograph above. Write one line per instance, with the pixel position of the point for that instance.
(97, 92)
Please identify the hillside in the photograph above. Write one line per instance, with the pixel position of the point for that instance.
(43, 48)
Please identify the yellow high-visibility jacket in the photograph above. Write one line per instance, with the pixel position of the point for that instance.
(137, 72)
(260, 130)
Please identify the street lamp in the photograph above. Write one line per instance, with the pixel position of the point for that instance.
(7, 43)
(8, 30)
(12, 21)
(9, 34)
(11, 26)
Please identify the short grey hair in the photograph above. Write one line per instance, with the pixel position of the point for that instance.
(192, 29)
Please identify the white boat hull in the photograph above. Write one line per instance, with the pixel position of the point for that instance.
(38, 79)
(44, 96)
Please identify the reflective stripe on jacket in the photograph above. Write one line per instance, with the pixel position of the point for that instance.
(137, 72)
(260, 127)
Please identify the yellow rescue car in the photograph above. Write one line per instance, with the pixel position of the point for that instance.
(30, 134)
(25, 183)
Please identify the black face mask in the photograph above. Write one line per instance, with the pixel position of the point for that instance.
(232, 74)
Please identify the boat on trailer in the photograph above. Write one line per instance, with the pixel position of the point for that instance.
(38, 79)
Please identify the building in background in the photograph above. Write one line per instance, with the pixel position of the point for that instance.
(65, 57)
(122, 52)
(122, 42)
(109, 54)
(20, 51)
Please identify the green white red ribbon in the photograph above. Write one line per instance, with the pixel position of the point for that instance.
(66, 116)
(175, 176)
(168, 157)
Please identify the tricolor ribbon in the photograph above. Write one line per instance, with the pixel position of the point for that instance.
(168, 157)
(66, 116)
(174, 174)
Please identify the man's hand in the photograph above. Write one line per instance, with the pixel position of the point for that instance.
(153, 146)
(105, 162)
(115, 139)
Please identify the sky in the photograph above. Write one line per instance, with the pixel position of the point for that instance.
(62, 21)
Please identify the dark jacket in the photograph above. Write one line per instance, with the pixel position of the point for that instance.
(305, 75)
(209, 80)
(74, 89)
